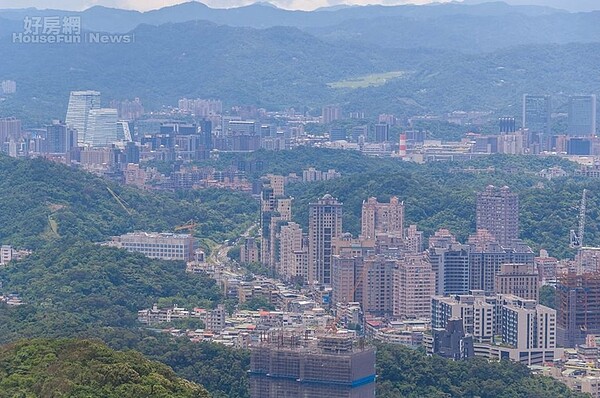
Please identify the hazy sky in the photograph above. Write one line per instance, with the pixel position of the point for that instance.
(144, 5)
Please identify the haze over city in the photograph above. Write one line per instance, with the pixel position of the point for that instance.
(231, 201)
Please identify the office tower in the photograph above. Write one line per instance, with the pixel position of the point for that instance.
(486, 257)
(579, 146)
(59, 138)
(206, 129)
(498, 213)
(102, 128)
(297, 367)
(582, 115)
(537, 118)
(132, 153)
(578, 306)
(507, 125)
(518, 279)
(414, 284)
(331, 113)
(80, 105)
(124, 131)
(337, 134)
(382, 132)
(382, 217)
(450, 262)
(324, 224)
(10, 128)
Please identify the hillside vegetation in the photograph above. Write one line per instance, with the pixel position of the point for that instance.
(41, 201)
(83, 368)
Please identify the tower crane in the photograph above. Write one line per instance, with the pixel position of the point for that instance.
(577, 238)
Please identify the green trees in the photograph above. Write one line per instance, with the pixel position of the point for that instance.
(36, 191)
(403, 372)
(70, 289)
(84, 368)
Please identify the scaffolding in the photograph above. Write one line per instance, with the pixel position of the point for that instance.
(296, 366)
(578, 305)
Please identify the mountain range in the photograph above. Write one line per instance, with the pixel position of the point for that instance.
(444, 57)
(261, 15)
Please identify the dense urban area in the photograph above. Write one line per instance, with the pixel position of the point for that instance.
(287, 236)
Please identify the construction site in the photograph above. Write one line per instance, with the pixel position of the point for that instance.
(578, 290)
(287, 365)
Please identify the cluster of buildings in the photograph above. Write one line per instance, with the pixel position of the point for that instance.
(479, 297)
(107, 140)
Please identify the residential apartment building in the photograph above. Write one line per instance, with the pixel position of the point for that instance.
(521, 280)
(382, 217)
(414, 285)
(324, 225)
(498, 213)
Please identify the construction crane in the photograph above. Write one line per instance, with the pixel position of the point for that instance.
(188, 226)
(577, 238)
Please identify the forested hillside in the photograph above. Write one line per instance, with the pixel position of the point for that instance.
(83, 368)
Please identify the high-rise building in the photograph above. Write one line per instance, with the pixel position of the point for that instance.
(507, 125)
(578, 307)
(295, 367)
(331, 113)
(324, 224)
(582, 115)
(476, 310)
(518, 279)
(382, 217)
(414, 285)
(80, 105)
(486, 257)
(537, 118)
(102, 128)
(498, 213)
(59, 138)
(275, 207)
(249, 251)
(291, 246)
(206, 129)
(450, 262)
(382, 132)
(10, 128)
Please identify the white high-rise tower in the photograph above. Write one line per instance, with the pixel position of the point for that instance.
(80, 104)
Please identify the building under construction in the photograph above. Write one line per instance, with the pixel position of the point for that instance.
(293, 366)
(578, 307)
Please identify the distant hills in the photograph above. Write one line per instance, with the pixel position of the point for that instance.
(261, 15)
(453, 56)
